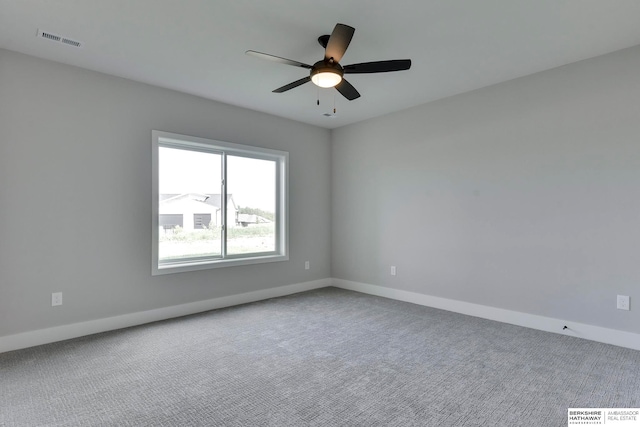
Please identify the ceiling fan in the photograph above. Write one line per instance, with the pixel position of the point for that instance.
(328, 72)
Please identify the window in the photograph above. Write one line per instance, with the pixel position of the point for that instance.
(216, 204)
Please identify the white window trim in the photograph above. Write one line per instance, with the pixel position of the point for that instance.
(160, 138)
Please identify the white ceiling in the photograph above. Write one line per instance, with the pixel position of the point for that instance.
(197, 46)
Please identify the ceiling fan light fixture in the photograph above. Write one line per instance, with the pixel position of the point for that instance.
(328, 77)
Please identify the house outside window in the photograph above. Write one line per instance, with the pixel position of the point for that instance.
(202, 221)
(216, 204)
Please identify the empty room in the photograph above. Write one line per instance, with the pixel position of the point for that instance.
(296, 213)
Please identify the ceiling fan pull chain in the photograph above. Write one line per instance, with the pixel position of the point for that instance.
(318, 101)
(334, 102)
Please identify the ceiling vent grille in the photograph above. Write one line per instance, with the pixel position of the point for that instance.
(71, 42)
(59, 39)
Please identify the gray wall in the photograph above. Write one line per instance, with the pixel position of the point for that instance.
(75, 194)
(523, 195)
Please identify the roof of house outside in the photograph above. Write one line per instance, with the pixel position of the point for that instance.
(209, 199)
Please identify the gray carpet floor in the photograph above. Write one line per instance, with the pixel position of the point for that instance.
(328, 357)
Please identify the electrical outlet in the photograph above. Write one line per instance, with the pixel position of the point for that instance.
(393, 270)
(56, 298)
(306, 265)
(623, 302)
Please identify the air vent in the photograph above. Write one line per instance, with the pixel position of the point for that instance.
(50, 36)
(59, 39)
(71, 42)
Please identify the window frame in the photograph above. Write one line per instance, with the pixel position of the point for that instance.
(173, 140)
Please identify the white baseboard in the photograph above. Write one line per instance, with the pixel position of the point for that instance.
(580, 330)
(65, 332)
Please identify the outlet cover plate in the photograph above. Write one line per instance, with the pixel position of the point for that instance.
(623, 302)
(56, 299)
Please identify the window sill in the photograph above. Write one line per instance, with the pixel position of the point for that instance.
(179, 267)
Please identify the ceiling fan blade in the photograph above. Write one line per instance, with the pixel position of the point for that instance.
(277, 59)
(338, 42)
(378, 66)
(347, 90)
(292, 85)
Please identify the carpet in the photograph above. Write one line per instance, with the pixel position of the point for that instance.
(327, 357)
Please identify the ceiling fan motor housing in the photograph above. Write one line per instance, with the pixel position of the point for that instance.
(324, 68)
